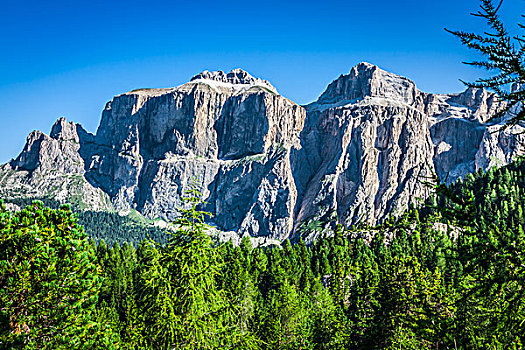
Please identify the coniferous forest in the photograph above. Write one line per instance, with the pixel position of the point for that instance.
(446, 275)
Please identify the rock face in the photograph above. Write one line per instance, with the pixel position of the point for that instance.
(372, 137)
(263, 163)
(53, 166)
(230, 135)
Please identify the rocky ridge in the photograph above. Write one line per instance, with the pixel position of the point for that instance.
(263, 163)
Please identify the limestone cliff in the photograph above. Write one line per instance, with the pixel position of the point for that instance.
(53, 166)
(372, 137)
(263, 163)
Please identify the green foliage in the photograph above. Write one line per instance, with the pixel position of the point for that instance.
(285, 324)
(108, 226)
(449, 275)
(414, 306)
(181, 305)
(49, 282)
(505, 55)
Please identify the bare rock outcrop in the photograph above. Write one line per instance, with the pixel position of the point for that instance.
(229, 134)
(263, 163)
(372, 138)
(52, 166)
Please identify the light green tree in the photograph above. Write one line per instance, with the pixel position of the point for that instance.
(182, 307)
(415, 307)
(287, 321)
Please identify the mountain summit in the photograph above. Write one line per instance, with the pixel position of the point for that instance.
(263, 163)
(235, 76)
(368, 80)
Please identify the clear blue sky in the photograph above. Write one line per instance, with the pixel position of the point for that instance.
(68, 58)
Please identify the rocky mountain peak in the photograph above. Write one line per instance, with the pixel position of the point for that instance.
(367, 80)
(64, 130)
(480, 104)
(236, 77)
(363, 67)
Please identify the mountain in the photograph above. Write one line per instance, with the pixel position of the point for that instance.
(263, 163)
(372, 138)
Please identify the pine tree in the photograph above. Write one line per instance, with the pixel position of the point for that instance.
(49, 282)
(330, 329)
(414, 307)
(363, 296)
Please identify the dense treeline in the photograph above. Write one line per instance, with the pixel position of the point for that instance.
(449, 275)
(109, 226)
(112, 227)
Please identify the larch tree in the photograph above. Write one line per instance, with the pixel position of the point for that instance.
(504, 56)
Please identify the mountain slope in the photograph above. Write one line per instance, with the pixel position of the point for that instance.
(372, 138)
(263, 163)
